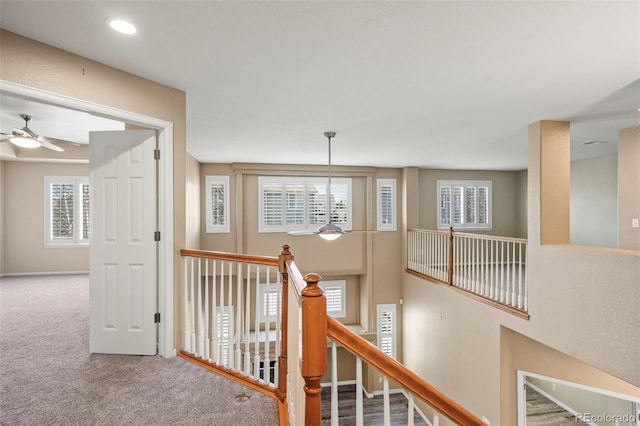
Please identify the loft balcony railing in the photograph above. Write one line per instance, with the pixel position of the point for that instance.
(491, 268)
(257, 320)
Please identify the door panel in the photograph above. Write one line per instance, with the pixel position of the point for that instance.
(123, 278)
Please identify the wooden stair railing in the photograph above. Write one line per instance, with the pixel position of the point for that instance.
(408, 380)
(316, 327)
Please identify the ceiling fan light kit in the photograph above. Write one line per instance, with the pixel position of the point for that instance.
(24, 142)
(27, 138)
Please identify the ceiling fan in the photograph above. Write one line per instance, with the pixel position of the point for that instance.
(27, 138)
(328, 231)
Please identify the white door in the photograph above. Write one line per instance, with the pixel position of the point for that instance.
(123, 290)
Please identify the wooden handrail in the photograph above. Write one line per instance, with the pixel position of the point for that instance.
(232, 257)
(407, 379)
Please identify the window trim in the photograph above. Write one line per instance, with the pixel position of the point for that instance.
(305, 182)
(464, 184)
(77, 182)
(342, 285)
(393, 225)
(390, 307)
(209, 227)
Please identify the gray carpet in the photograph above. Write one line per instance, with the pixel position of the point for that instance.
(48, 377)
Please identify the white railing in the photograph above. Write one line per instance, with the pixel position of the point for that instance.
(491, 267)
(494, 268)
(232, 312)
(429, 253)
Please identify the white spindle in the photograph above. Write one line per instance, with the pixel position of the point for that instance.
(230, 357)
(410, 410)
(239, 317)
(267, 329)
(436, 418)
(192, 332)
(215, 353)
(207, 342)
(334, 384)
(387, 406)
(276, 376)
(359, 402)
(256, 345)
(222, 349)
(247, 325)
(185, 307)
(200, 348)
(502, 283)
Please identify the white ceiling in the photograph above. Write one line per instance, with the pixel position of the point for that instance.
(430, 84)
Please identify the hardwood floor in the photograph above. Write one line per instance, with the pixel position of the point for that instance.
(373, 408)
(543, 412)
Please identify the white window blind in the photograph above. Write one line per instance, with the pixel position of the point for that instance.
(288, 203)
(387, 205)
(387, 329)
(224, 331)
(335, 292)
(217, 204)
(464, 204)
(67, 210)
(269, 300)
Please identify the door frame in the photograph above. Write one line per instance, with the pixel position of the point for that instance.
(166, 347)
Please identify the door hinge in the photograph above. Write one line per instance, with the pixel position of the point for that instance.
(156, 318)
(156, 154)
(156, 236)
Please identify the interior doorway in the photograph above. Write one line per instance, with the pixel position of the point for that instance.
(164, 131)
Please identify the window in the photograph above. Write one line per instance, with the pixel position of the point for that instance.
(464, 204)
(387, 329)
(288, 204)
(217, 203)
(66, 210)
(386, 205)
(270, 300)
(223, 332)
(335, 293)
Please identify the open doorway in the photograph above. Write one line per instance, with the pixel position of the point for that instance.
(164, 131)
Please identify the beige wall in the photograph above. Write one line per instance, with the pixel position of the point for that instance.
(43, 67)
(629, 188)
(505, 197)
(521, 210)
(582, 302)
(2, 215)
(24, 221)
(192, 207)
(594, 201)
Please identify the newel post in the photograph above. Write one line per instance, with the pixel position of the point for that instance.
(284, 257)
(314, 347)
(450, 270)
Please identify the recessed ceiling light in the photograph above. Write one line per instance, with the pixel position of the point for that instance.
(121, 26)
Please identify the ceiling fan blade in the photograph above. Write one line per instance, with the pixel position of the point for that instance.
(21, 132)
(301, 233)
(46, 144)
(5, 136)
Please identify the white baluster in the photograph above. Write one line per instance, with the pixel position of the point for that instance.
(200, 347)
(215, 353)
(410, 410)
(334, 384)
(247, 325)
(256, 345)
(359, 402)
(239, 317)
(267, 328)
(192, 332)
(186, 343)
(207, 340)
(222, 350)
(387, 406)
(232, 333)
(436, 418)
(276, 376)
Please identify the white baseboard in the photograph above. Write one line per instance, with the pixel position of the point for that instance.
(26, 274)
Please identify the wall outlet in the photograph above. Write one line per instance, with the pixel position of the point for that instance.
(635, 223)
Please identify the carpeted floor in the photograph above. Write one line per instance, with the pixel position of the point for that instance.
(48, 377)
